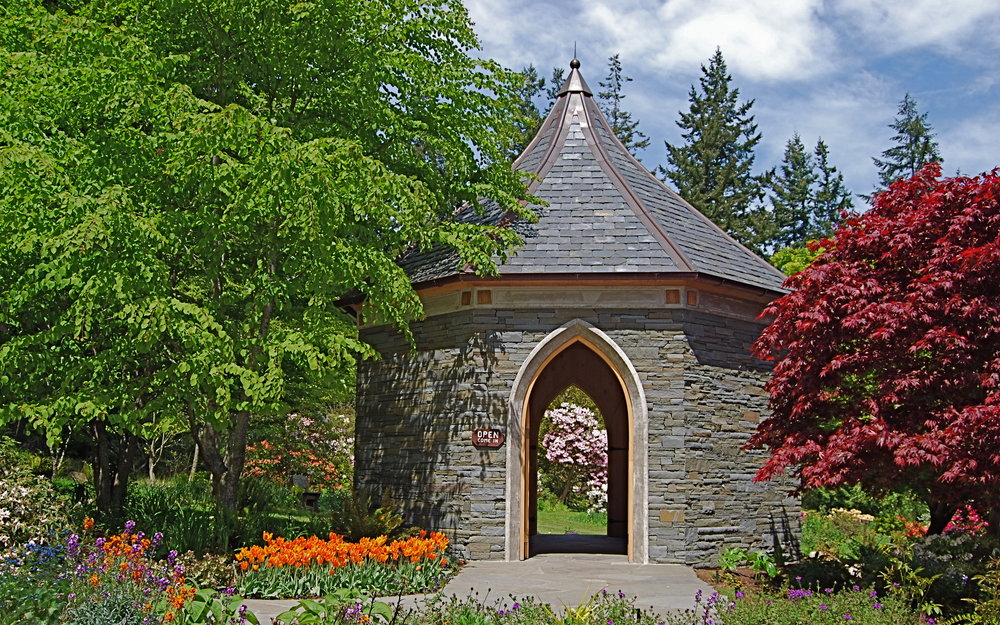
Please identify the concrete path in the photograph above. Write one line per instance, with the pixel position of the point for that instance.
(557, 579)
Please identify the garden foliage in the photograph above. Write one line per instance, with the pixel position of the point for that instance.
(31, 510)
(89, 579)
(319, 448)
(888, 351)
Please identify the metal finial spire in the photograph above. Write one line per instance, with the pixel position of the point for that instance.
(575, 82)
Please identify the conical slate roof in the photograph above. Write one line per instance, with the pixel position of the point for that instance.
(606, 213)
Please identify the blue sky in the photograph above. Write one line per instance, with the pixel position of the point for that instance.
(835, 69)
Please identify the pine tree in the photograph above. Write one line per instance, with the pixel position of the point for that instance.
(610, 103)
(552, 92)
(914, 145)
(529, 118)
(807, 196)
(792, 195)
(831, 198)
(712, 168)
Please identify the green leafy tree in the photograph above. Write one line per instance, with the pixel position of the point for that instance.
(712, 168)
(914, 145)
(791, 260)
(610, 102)
(191, 188)
(807, 195)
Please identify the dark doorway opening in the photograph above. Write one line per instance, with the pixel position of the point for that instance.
(580, 366)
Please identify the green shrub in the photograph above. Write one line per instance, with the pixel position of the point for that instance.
(818, 573)
(951, 562)
(358, 516)
(813, 607)
(31, 510)
(190, 514)
(208, 570)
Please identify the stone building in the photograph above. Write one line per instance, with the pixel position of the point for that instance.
(622, 289)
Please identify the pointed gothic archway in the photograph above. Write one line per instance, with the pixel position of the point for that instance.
(580, 354)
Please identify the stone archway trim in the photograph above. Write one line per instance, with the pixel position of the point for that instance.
(548, 348)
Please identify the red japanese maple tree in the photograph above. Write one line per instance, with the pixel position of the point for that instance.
(888, 351)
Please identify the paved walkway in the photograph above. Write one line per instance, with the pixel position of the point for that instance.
(558, 579)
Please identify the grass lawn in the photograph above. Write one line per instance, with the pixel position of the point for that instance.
(555, 518)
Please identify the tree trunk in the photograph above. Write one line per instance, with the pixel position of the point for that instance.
(194, 463)
(225, 465)
(114, 456)
(940, 517)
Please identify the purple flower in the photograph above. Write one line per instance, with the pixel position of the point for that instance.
(874, 593)
(828, 591)
(129, 526)
(157, 537)
(824, 607)
(501, 613)
(877, 606)
(515, 607)
(769, 602)
(73, 545)
(172, 557)
(739, 593)
(847, 617)
(856, 587)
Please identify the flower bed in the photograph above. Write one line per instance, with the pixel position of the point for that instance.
(312, 567)
(89, 579)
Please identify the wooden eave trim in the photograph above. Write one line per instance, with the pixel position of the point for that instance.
(705, 282)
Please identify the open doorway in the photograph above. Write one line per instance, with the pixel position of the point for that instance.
(579, 372)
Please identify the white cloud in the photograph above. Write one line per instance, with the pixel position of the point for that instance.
(761, 39)
(898, 25)
(969, 144)
(850, 115)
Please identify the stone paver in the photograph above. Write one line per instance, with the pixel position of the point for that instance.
(558, 579)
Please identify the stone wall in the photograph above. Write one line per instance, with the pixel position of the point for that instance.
(416, 411)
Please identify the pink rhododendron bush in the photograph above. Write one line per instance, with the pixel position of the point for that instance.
(575, 464)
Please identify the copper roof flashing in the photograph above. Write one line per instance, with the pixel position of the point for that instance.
(575, 83)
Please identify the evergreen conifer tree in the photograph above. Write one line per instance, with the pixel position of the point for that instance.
(610, 103)
(552, 92)
(807, 195)
(792, 195)
(529, 118)
(712, 168)
(914, 145)
(831, 198)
